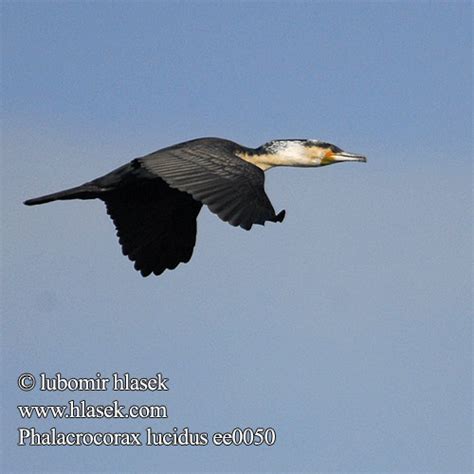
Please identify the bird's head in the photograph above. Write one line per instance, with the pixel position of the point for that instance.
(305, 153)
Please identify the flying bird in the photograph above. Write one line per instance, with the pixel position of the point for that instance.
(154, 200)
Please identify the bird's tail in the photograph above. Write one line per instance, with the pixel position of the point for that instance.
(85, 191)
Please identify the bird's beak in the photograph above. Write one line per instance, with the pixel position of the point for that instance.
(345, 156)
(332, 157)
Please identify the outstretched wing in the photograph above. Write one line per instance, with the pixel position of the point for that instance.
(209, 170)
(156, 224)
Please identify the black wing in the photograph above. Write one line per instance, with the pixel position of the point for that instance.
(156, 224)
(210, 171)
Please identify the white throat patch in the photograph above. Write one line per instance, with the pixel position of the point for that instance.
(283, 153)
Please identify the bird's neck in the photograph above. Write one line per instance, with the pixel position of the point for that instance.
(265, 160)
(262, 161)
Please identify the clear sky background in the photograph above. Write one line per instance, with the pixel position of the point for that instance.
(347, 328)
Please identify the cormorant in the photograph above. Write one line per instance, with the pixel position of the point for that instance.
(154, 200)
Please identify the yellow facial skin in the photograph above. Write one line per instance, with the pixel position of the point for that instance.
(328, 158)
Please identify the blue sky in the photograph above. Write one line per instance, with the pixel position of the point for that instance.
(347, 328)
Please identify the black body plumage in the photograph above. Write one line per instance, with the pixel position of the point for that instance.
(154, 200)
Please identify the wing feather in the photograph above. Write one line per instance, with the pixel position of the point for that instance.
(210, 171)
(156, 224)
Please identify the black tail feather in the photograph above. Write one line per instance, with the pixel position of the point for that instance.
(85, 191)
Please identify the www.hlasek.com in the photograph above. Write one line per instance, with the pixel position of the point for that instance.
(30, 436)
(82, 409)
